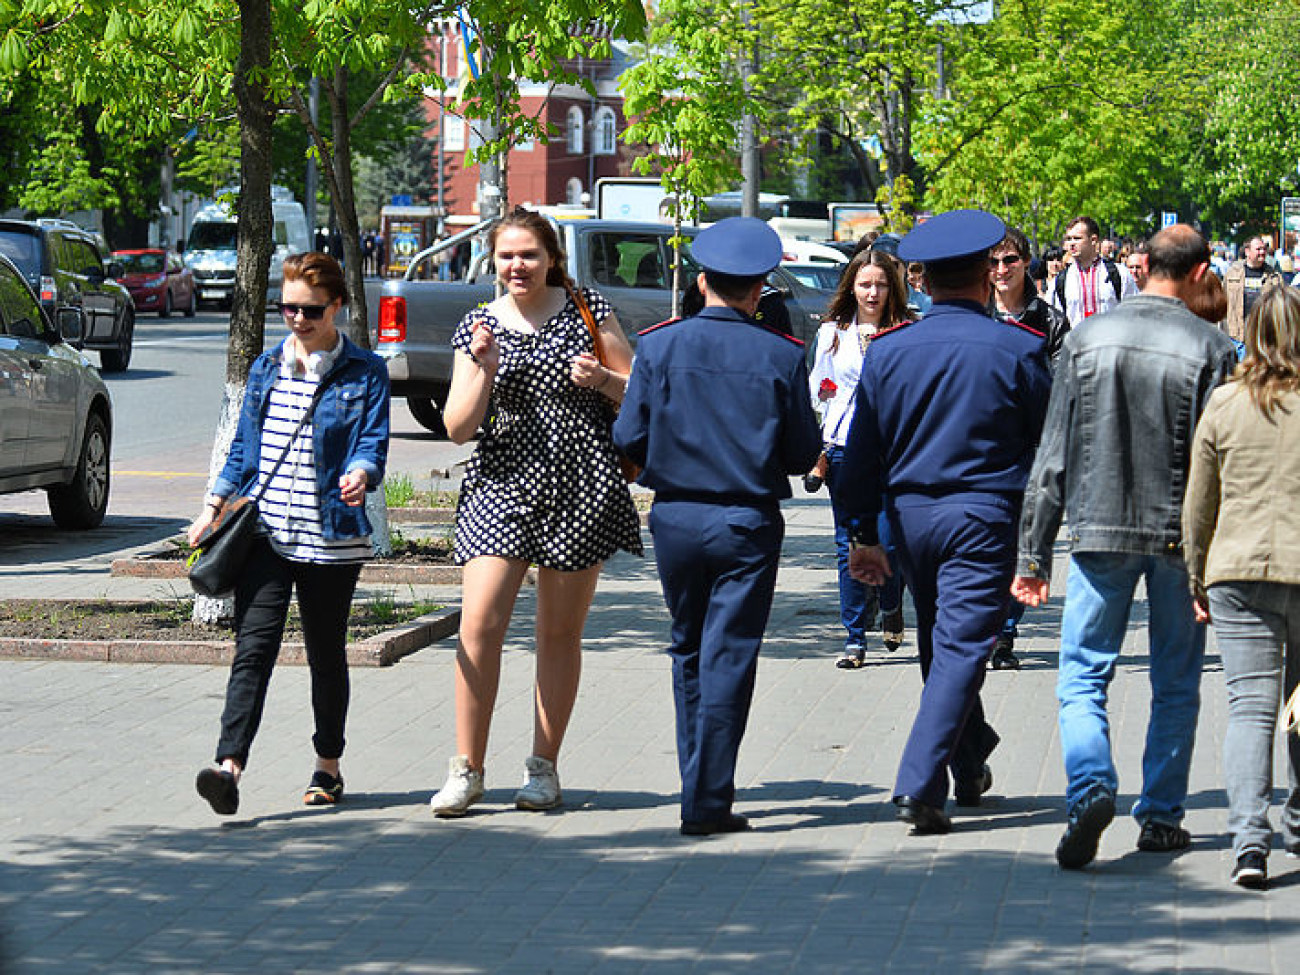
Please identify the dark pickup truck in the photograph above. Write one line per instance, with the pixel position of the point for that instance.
(629, 263)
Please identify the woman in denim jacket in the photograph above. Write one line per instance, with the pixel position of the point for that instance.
(313, 532)
(1241, 539)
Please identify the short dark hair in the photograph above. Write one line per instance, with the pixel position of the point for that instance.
(1015, 239)
(957, 275)
(1094, 230)
(1176, 251)
(731, 287)
(1053, 254)
(317, 270)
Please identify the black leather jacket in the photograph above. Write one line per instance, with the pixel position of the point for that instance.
(1041, 317)
(1114, 456)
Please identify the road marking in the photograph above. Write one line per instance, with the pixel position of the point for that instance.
(157, 474)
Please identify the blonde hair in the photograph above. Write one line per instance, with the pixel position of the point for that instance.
(1272, 363)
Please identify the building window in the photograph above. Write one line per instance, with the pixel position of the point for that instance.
(573, 130)
(606, 131)
(573, 192)
(453, 133)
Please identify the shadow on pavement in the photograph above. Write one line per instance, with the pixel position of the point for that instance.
(27, 540)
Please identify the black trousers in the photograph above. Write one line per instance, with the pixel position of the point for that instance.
(261, 609)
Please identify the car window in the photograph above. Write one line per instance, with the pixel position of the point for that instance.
(23, 249)
(622, 260)
(207, 236)
(20, 314)
(140, 263)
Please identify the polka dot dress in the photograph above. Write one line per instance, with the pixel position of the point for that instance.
(544, 483)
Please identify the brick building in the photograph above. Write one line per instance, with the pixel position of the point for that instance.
(585, 147)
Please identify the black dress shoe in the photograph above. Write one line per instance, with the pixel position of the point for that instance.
(220, 789)
(925, 820)
(968, 792)
(731, 823)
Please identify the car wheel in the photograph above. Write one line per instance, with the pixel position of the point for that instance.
(428, 413)
(82, 503)
(192, 308)
(116, 360)
(166, 310)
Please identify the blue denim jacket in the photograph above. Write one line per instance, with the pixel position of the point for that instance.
(350, 432)
(1116, 445)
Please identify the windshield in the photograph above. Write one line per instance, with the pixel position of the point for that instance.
(140, 263)
(212, 237)
(23, 249)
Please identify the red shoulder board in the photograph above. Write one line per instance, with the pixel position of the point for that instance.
(892, 328)
(777, 331)
(1021, 325)
(655, 328)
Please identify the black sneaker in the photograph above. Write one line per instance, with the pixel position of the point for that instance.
(1159, 837)
(812, 483)
(1251, 870)
(1088, 819)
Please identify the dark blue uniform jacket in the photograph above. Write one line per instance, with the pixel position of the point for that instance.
(951, 404)
(717, 408)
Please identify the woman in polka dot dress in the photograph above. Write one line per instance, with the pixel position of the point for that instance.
(543, 487)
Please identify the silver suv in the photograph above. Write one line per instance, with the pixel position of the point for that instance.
(56, 418)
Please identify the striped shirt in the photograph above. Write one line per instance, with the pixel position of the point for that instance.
(290, 507)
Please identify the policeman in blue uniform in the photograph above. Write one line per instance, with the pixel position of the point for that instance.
(949, 412)
(717, 412)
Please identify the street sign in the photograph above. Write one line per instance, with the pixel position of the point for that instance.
(1168, 218)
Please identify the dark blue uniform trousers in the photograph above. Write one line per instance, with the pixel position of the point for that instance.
(958, 557)
(717, 564)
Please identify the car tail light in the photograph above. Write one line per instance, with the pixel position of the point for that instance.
(392, 319)
(49, 292)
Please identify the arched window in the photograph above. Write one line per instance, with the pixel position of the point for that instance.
(606, 131)
(573, 192)
(573, 130)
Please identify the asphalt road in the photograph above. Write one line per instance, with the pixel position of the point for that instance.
(166, 408)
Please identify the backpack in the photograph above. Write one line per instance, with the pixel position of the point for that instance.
(1112, 275)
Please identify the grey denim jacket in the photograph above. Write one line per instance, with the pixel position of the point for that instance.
(1116, 446)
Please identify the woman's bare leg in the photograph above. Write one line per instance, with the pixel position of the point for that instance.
(563, 599)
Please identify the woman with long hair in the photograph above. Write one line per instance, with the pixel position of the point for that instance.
(1241, 539)
(543, 488)
(312, 440)
(871, 297)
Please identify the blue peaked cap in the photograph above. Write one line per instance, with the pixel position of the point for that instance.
(952, 236)
(743, 247)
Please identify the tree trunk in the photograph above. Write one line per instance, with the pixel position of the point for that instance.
(253, 250)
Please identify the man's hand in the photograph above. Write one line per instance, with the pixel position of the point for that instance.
(869, 564)
(1030, 591)
(1201, 609)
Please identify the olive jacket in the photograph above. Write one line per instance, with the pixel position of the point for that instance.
(1240, 517)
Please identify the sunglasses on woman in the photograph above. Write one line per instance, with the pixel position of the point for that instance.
(309, 312)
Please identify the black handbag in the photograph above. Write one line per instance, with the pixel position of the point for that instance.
(222, 550)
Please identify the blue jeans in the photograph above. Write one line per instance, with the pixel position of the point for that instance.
(1098, 599)
(1258, 626)
(860, 603)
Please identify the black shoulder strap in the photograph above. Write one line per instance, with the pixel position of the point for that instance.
(311, 408)
(1060, 287)
(1116, 282)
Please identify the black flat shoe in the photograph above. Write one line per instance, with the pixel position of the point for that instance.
(323, 790)
(732, 823)
(924, 819)
(220, 789)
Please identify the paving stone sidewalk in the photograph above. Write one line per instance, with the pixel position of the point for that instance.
(110, 863)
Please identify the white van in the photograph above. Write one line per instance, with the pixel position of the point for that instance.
(210, 246)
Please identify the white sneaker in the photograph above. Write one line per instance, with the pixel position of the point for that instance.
(541, 788)
(464, 788)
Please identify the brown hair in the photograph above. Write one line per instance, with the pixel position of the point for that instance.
(317, 270)
(1207, 299)
(541, 228)
(844, 304)
(1272, 363)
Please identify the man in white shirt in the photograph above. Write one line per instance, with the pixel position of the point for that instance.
(1091, 284)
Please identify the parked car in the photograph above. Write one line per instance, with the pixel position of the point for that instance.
(56, 417)
(823, 276)
(65, 266)
(158, 281)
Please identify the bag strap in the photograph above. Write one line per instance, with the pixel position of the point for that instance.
(588, 319)
(302, 422)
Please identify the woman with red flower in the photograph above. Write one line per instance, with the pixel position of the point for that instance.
(871, 297)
